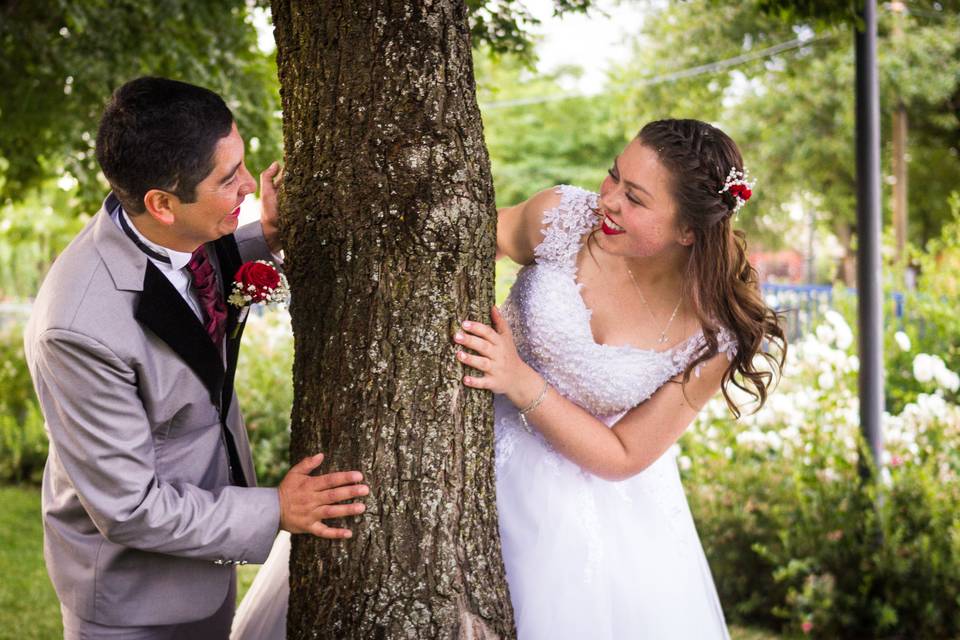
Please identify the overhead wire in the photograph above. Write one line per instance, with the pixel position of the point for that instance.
(672, 76)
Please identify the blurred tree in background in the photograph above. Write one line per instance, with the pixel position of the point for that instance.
(535, 145)
(778, 76)
(60, 61)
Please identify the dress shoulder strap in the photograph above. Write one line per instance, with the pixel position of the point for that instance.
(564, 227)
(683, 356)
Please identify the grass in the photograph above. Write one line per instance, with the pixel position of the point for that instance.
(29, 609)
(28, 605)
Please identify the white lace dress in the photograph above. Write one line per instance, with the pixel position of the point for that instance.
(585, 557)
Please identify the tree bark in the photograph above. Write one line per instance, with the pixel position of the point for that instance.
(389, 224)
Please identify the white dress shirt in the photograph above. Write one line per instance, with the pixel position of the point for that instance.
(176, 272)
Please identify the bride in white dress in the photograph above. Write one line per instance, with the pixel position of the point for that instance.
(633, 308)
(598, 540)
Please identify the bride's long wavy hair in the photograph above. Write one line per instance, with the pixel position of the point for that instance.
(722, 286)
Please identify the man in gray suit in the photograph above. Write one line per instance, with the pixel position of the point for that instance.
(149, 495)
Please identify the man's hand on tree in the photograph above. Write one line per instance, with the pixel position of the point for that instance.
(270, 181)
(306, 501)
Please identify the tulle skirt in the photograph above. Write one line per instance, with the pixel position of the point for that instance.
(262, 615)
(589, 558)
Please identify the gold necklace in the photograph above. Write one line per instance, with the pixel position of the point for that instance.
(663, 334)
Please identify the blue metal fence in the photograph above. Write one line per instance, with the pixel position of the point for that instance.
(803, 304)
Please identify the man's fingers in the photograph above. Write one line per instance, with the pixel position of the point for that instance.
(270, 179)
(336, 479)
(329, 511)
(270, 171)
(339, 494)
(307, 465)
(323, 531)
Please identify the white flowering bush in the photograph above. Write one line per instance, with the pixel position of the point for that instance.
(796, 538)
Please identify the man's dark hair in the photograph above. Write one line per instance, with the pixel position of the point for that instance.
(157, 133)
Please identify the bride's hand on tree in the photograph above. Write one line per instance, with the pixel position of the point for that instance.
(495, 355)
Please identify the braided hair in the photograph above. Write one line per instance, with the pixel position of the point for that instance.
(722, 285)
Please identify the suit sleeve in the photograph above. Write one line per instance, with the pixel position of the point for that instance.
(253, 246)
(99, 430)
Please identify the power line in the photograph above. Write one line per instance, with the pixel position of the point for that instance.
(690, 72)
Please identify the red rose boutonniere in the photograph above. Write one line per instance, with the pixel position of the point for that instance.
(257, 282)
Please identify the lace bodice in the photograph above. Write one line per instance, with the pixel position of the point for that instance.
(551, 323)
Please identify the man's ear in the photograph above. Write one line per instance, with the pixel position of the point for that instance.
(160, 206)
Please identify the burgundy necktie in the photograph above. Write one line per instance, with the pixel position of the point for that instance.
(205, 284)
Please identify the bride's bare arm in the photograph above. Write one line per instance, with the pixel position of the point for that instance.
(519, 226)
(634, 443)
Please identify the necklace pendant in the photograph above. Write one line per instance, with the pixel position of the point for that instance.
(662, 339)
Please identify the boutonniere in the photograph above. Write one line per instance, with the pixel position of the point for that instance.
(257, 281)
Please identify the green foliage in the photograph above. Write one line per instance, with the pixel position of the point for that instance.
(61, 60)
(32, 232)
(827, 11)
(23, 442)
(264, 388)
(929, 324)
(536, 145)
(796, 538)
(29, 609)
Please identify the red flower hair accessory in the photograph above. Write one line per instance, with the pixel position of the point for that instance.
(740, 186)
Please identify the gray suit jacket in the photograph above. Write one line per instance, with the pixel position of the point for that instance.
(142, 521)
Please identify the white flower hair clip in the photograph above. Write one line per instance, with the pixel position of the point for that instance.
(740, 186)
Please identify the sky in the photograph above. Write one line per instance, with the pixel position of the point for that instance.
(592, 41)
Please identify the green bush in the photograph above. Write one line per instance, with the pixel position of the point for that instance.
(264, 387)
(797, 537)
(23, 443)
(931, 324)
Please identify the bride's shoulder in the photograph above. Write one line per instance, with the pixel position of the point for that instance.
(563, 210)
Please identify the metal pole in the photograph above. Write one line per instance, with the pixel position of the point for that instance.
(869, 288)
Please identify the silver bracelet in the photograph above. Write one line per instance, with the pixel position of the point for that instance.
(533, 405)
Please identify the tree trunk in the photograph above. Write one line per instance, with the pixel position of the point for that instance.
(900, 215)
(847, 268)
(389, 226)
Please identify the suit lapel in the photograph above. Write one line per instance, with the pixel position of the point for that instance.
(228, 261)
(167, 314)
